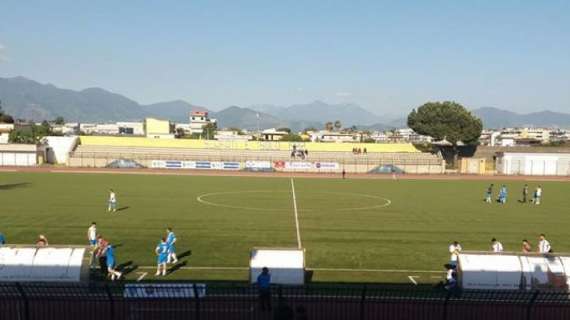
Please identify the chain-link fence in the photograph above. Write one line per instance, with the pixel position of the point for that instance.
(156, 301)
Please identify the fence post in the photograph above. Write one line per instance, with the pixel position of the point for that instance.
(197, 301)
(111, 301)
(362, 302)
(22, 293)
(531, 303)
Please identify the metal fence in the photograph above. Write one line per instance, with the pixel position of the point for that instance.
(157, 301)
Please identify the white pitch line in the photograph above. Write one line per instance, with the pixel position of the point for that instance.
(313, 269)
(299, 245)
(413, 280)
(374, 270)
(201, 268)
(142, 275)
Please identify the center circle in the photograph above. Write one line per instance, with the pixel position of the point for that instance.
(206, 199)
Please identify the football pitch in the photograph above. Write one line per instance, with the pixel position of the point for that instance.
(363, 230)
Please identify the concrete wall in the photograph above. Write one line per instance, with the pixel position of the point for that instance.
(538, 164)
(58, 148)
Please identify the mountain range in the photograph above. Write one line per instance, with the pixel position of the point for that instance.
(27, 99)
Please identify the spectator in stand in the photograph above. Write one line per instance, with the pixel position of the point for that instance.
(264, 286)
(292, 154)
(2, 239)
(306, 153)
(365, 151)
(42, 241)
(454, 249)
(526, 246)
(543, 244)
(496, 246)
(343, 174)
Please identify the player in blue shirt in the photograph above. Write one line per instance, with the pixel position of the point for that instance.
(111, 263)
(503, 195)
(161, 251)
(171, 241)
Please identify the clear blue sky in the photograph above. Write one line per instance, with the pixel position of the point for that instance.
(387, 56)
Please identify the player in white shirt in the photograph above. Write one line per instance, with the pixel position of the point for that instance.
(92, 238)
(454, 249)
(543, 244)
(92, 235)
(537, 195)
(496, 246)
(112, 206)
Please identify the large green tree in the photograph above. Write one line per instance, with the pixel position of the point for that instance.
(5, 118)
(446, 120)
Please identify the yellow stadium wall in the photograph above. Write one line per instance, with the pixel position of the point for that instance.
(243, 145)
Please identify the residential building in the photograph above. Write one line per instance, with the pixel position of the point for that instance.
(273, 134)
(199, 119)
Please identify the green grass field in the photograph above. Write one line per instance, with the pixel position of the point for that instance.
(344, 224)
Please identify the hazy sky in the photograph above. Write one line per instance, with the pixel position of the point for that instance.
(387, 56)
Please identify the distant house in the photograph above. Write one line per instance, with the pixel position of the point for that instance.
(5, 129)
(158, 129)
(273, 134)
(231, 135)
(198, 120)
(131, 128)
(328, 136)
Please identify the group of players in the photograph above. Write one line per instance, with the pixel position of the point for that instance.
(503, 194)
(104, 252)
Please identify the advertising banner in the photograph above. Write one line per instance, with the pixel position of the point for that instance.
(261, 165)
(175, 164)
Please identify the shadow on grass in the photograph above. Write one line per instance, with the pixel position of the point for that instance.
(184, 254)
(11, 186)
(176, 267)
(127, 267)
(123, 208)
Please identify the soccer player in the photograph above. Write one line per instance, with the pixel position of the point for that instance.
(503, 195)
(489, 194)
(537, 195)
(343, 174)
(161, 251)
(170, 242)
(92, 235)
(543, 244)
(525, 194)
(496, 246)
(101, 254)
(112, 206)
(2, 239)
(526, 247)
(111, 264)
(42, 241)
(454, 249)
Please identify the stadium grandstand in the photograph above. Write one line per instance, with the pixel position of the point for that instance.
(401, 158)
